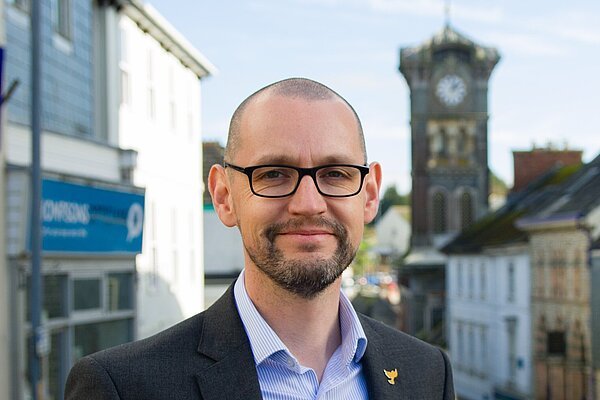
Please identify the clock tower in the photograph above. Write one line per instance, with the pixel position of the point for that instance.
(448, 80)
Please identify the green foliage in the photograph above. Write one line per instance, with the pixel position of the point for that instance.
(364, 257)
(391, 197)
(497, 185)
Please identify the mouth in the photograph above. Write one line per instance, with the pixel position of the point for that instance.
(307, 232)
(306, 237)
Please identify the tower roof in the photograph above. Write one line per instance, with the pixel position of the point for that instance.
(449, 38)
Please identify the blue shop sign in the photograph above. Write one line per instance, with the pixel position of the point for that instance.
(77, 218)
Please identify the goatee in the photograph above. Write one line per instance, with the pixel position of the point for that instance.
(303, 277)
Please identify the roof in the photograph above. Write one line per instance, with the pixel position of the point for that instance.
(579, 195)
(500, 227)
(151, 21)
(447, 38)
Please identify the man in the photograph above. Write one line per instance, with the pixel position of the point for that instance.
(296, 184)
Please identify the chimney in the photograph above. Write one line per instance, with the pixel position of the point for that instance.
(529, 165)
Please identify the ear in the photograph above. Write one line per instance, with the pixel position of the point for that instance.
(372, 186)
(218, 186)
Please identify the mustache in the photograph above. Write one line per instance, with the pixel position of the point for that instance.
(275, 229)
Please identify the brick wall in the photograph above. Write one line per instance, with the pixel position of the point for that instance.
(529, 165)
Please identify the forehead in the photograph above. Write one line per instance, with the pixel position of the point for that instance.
(278, 129)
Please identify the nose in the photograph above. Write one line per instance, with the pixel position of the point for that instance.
(307, 200)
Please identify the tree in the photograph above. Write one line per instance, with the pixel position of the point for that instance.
(391, 197)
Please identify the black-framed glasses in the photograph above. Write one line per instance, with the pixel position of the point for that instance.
(332, 180)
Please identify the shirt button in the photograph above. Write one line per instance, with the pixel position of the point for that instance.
(290, 362)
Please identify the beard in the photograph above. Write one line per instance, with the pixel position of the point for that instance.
(303, 277)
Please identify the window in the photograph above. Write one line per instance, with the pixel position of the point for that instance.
(61, 18)
(461, 344)
(172, 107)
(55, 296)
(466, 210)
(511, 326)
(443, 144)
(557, 345)
(23, 5)
(472, 356)
(511, 283)
(471, 281)
(459, 279)
(439, 213)
(90, 338)
(120, 290)
(483, 281)
(151, 101)
(66, 296)
(483, 334)
(577, 268)
(124, 66)
(87, 294)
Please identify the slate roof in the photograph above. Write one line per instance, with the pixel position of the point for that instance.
(579, 195)
(499, 227)
(448, 37)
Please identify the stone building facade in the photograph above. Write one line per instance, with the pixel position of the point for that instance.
(562, 236)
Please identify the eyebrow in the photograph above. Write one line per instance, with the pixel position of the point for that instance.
(290, 160)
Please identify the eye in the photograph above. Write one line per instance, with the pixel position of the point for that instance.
(269, 174)
(335, 173)
(272, 174)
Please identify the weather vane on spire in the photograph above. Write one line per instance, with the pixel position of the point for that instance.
(447, 11)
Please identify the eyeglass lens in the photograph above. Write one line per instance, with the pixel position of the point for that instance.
(331, 180)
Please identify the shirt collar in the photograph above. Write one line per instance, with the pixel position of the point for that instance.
(265, 342)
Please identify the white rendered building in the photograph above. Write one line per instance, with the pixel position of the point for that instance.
(153, 97)
(393, 232)
(490, 322)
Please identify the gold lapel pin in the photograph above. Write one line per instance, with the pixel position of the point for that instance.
(391, 375)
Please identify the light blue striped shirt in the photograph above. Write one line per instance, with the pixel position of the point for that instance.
(281, 376)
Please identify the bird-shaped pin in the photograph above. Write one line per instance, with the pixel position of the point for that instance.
(391, 376)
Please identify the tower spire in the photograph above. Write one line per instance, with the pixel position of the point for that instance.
(447, 12)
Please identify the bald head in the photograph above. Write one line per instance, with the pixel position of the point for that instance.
(297, 88)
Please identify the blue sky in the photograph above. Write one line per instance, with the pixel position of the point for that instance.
(545, 89)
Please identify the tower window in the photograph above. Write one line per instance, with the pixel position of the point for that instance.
(440, 223)
(466, 210)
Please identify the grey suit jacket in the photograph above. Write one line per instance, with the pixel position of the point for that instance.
(209, 357)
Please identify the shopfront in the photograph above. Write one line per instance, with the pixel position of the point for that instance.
(91, 235)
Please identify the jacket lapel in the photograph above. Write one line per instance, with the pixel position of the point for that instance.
(232, 374)
(377, 358)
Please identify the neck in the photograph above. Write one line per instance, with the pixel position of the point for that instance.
(309, 328)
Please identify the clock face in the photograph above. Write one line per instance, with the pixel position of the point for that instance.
(451, 90)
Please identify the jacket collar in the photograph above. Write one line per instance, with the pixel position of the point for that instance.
(378, 357)
(233, 374)
(223, 339)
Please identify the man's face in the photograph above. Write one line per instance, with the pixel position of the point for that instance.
(302, 242)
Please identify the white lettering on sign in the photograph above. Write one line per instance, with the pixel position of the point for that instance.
(66, 212)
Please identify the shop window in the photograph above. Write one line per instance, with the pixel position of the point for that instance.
(87, 294)
(90, 338)
(55, 297)
(120, 291)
